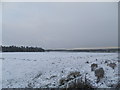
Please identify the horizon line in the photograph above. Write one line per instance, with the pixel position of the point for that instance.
(83, 48)
(63, 48)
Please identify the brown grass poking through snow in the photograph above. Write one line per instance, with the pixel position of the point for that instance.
(73, 80)
(99, 73)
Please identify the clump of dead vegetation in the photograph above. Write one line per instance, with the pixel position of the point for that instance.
(74, 80)
(93, 66)
(70, 76)
(118, 85)
(73, 75)
(99, 73)
(112, 65)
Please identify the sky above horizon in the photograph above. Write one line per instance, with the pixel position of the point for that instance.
(60, 25)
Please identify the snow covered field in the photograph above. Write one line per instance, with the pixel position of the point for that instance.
(48, 69)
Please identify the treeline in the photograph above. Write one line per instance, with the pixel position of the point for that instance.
(21, 49)
(88, 50)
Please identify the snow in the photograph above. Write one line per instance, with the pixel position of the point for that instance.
(45, 69)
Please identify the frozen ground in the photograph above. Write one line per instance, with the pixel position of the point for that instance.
(46, 69)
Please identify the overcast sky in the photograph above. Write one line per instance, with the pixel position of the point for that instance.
(60, 25)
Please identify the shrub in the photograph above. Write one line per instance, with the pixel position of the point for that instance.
(99, 73)
(76, 83)
(73, 75)
(70, 76)
(73, 80)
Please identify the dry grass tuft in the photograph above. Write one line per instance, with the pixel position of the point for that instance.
(99, 73)
(112, 65)
(93, 66)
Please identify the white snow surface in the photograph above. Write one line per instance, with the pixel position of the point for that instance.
(45, 69)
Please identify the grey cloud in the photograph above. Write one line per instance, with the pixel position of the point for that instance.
(60, 25)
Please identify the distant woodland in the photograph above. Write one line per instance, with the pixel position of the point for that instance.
(109, 50)
(38, 49)
(21, 49)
